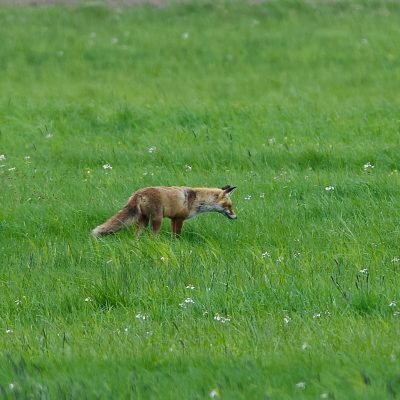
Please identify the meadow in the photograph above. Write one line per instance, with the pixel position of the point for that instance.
(294, 102)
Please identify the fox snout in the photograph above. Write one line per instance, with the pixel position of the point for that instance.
(230, 214)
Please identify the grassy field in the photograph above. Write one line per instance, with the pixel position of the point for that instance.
(297, 104)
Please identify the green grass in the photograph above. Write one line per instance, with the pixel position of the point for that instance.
(283, 100)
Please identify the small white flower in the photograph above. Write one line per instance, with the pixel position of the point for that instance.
(185, 35)
(190, 286)
(186, 302)
(214, 393)
(248, 197)
(49, 136)
(364, 271)
(2, 157)
(286, 319)
(27, 158)
(107, 166)
(12, 386)
(395, 260)
(368, 166)
(262, 195)
(330, 188)
(222, 319)
(151, 149)
(18, 302)
(141, 316)
(396, 313)
(12, 169)
(305, 346)
(318, 315)
(279, 259)
(162, 259)
(126, 330)
(392, 304)
(188, 168)
(300, 385)
(9, 331)
(265, 255)
(271, 141)
(88, 299)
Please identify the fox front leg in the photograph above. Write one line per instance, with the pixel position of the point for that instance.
(176, 224)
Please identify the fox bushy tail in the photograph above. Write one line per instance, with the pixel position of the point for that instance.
(122, 218)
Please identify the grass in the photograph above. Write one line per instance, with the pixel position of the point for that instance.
(295, 299)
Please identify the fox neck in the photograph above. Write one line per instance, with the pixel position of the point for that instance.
(202, 206)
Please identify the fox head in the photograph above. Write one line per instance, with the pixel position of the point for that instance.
(224, 202)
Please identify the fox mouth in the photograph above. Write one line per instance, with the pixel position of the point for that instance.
(230, 214)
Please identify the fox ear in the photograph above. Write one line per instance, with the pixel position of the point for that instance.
(228, 189)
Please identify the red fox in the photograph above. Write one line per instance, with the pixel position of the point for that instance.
(152, 204)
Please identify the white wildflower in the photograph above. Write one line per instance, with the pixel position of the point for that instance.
(279, 259)
(186, 302)
(12, 386)
(151, 149)
(265, 255)
(190, 286)
(330, 188)
(162, 259)
(392, 304)
(2, 157)
(18, 302)
(368, 166)
(9, 331)
(300, 385)
(318, 315)
(188, 168)
(27, 158)
(248, 197)
(262, 195)
(305, 346)
(49, 136)
(363, 271)
(12, 169)
(286, 319)
(395, 260)
(107, 166)
(141, 316)
(88, 299)
(222, 319)
(214, 393)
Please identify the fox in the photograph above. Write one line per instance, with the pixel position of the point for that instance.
(179, 203)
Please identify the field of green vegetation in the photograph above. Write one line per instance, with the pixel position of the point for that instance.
(295, 103)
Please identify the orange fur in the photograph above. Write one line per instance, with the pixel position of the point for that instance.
(152, 204)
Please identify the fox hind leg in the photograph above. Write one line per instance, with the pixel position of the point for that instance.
(141, 223)
(156, 225)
